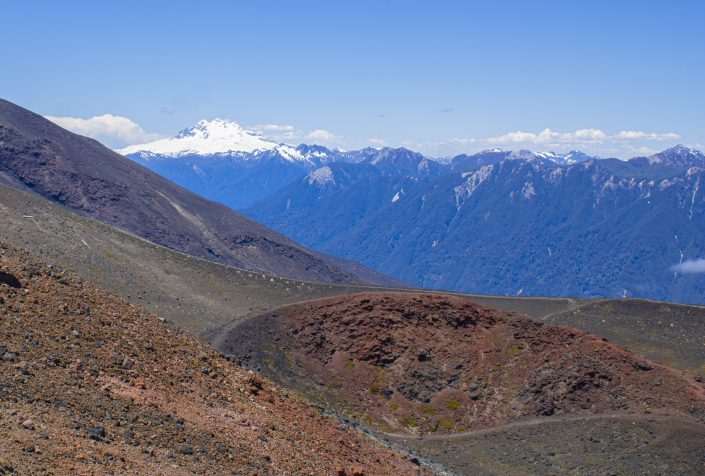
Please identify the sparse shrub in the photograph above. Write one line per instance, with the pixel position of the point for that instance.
(376, 388)
(426, 410)
(513, 352)
(452, 405)
(409, 422)
(444, 424)
(394, 406)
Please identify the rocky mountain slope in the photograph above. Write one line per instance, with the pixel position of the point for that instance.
(82, 175)
(223, 162)
(197, 294)
(513, 223)
(203, 296)
(91, 384)
(479, 390)
(436, 363)
(236, 179)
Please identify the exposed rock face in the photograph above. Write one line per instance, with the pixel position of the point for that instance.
(436, 363)
(9, 280)
(93, 385)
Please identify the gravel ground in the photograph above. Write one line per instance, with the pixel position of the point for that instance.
(91, 384)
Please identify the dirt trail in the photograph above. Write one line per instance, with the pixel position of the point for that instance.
(542, 421)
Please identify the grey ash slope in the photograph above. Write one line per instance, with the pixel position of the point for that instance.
(197, 294)
(81, 174)
(514, 223)
(194, 293)
(673, 334)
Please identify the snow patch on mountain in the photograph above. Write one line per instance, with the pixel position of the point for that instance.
(207, 138)
(562, 159)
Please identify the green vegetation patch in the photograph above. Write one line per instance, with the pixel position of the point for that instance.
(444, 424)
(409, 422)
(514, 352)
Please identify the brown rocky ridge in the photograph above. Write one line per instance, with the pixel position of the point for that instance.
(92, 384)
(430, 363)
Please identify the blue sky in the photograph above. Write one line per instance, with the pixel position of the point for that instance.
(441, 77)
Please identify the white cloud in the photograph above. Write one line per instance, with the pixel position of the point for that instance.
(275, 128)
(462, 141)
(374, 142)
(291, 135)
(641, 135)
(622, 144)
(644, 150)
(277, 132)
(549, 137)
(521, 137)
(113, 131)
(585, 135)
(694, 266)
(322, 136)
(578, 137)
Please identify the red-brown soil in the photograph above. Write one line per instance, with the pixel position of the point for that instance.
(437, 363)
(90, 384)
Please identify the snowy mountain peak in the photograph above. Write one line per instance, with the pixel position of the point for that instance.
(678, 155)
(204, 128)
(570, 158)
(217, 136)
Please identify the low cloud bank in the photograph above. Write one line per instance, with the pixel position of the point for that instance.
(113, 131)
(693, 266)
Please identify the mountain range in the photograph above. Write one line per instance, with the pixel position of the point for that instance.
(498, 222)
(527, 225)
(101, 370)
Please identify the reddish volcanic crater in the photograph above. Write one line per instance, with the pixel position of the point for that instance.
(408, 362)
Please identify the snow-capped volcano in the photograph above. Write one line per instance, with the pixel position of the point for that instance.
(225, 162)
(205, 138)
